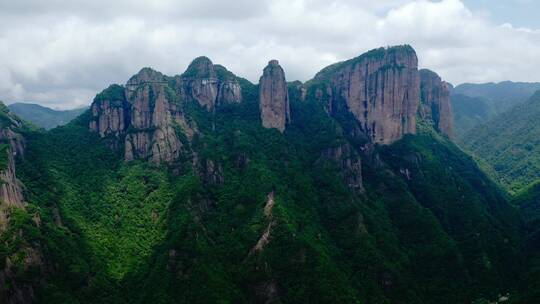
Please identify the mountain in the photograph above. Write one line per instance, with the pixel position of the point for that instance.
(16, 246)
(477, 103)
(42, 116)
(470, 112)
(203, 187)
(509, 143)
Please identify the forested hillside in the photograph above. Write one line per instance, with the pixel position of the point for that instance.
(474, 104)
(42, 116)
(510, 144)
(206, 188)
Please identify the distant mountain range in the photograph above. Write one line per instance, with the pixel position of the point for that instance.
(474, 104)
(44, 117)
(510, 142)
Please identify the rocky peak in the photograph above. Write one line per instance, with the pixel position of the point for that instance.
(145, 115)
(380, 88)
(273, 97)
(200, 67)
(210, 85)
(435, 105)
(146, 75)
(109, 107)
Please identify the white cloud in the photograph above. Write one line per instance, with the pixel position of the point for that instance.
(62, 53)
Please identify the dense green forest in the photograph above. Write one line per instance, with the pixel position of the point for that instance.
(136, 232)
(476, 103)
(510, 144)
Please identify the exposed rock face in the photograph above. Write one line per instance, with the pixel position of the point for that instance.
(110, 110)
(380, 88)
(202, 81)
(10, 187)
(147, 115)
(274, 97)
(12, 146)
(435, 103)
(349, 164)
(152, 119)
(265, 237)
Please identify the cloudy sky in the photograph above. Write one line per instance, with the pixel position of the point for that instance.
(61, 53)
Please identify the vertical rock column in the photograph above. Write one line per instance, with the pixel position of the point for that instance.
(273, 97)
(435, 102)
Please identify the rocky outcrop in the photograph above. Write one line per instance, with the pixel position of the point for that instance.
(380, 88)
(11, 146)
(201, 82)
(146, 117)
(273, 97)
(11, 187)
(348, 162)
(435, 105)
(210, 85)
(265, 237)
(153, 115)
(110, 109)
(21, 256)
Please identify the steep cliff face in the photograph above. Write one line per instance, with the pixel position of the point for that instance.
(11, 146)
(380, 88)
(147, 115)
(110, 108)
(210, 85)
(20, 256)
(273, 97)
(154, 114)
(435, 102)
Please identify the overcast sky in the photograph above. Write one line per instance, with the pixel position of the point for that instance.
(61, 53)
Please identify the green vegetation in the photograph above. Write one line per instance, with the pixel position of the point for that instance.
(4, 155)
(474, 104)
(510, 143)
(197, 68)
(114, 94)
(44, 117)
(469, 112)
(429, 226)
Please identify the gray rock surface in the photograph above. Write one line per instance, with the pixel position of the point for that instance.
(435, 103)
(380, 88)
(273, 97)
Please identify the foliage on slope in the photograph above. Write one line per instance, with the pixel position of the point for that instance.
(510, 144)
(469, 112)
(44, 117)
(136, 233)
(474, 104)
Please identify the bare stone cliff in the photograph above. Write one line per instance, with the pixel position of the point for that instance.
(210, 88)
(435, 103)
(273, 97)
(382, 91)
(146, 117)
(11, 146)
(380, 88)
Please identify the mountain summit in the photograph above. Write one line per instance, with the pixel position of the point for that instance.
(204, 188)
(382, 89)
